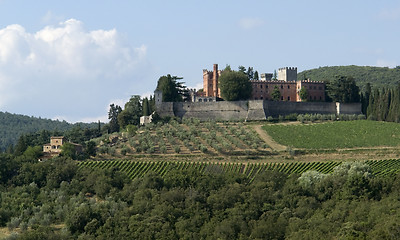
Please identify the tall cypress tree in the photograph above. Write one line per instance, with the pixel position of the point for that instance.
(146, 107)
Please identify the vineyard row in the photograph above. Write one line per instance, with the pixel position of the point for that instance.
(135, 169)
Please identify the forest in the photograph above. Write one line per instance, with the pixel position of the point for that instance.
(12, 126)
(58, 200)
(376, 76)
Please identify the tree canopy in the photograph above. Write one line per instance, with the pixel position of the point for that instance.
(377, 76)
(113, 113)
(343, 89)
(235, 86)
(303, 94)
(131, 113)
(276, 94)
(172, 90)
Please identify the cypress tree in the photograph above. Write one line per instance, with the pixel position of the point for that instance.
(146, 107)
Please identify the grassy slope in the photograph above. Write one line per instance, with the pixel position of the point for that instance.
(333, 135)
(377, 76)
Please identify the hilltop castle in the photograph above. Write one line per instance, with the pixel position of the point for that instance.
(286, 82)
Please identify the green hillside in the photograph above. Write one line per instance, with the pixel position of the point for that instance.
(377, 76)
(13, 125)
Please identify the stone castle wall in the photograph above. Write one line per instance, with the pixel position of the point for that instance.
(251, 110)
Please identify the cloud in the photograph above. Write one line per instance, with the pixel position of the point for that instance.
(250, 23)
(390, 14)
(65, 70)
(386, 63)
(50, 18)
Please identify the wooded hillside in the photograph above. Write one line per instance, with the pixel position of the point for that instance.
(13, 125)
(377, 76)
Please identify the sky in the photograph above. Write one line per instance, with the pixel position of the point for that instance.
(69, 60)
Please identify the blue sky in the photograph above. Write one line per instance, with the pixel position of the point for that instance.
(71, 59)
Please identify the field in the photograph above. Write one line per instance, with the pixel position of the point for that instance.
(336, 135)
(247, 149)
(135, 169)
(191, 137)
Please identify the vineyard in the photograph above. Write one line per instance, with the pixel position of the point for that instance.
(189, 137)
(136, 169)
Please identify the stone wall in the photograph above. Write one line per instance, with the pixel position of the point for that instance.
(251, 110)
(212, 110)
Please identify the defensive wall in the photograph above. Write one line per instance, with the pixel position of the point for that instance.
(251, 110)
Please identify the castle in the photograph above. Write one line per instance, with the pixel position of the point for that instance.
(204, 104)
(287, 84)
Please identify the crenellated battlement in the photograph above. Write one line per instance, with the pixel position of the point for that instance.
(272, 81)
(288, 68)
(310, 81)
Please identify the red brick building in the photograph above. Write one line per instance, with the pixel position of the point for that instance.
(262, 89)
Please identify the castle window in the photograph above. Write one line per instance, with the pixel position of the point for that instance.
(281, 86)
(260, 86)
(320, 98)
(282, 98)
(261, 98)
(288, 98)
(266, 86)
(255, 98)
(288, 86)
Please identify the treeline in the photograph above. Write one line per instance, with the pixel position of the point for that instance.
(377, 76)
(350, 203)
(381, 104)
(12, 126)
(129, 117)
(35, 141)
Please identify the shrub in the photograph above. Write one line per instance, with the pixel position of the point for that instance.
(361, 117)
(177, 149)
(203, 148)
(163, 149)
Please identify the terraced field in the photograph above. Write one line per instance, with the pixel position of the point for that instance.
(189, 137)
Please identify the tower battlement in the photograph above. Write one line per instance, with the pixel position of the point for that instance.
(287, 74)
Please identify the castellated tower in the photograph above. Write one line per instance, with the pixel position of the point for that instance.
(287, 74)
(210, 82)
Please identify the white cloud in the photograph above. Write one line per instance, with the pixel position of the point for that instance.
(250, 23)
(197, 86)
(390, 13)
(385, 63)
(65, 70)
(51, 18)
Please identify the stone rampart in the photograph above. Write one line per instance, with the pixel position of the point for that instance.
(251, 110)
(212, 110)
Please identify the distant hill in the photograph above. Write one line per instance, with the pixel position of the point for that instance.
(12, 126)
(377, 76)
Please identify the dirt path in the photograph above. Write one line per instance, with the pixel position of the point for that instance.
(268, 139)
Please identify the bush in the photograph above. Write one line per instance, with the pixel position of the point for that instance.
(177, 149)
(203, 148)
(163, 149)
